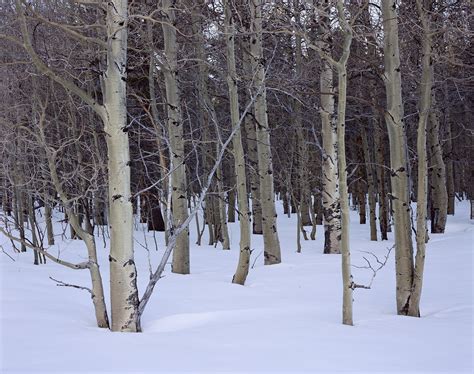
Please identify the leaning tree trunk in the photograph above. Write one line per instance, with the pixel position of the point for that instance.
(398, 158)
(330, 186)
(175, 130)
(239, 160)
(272, 253)
(123, 273)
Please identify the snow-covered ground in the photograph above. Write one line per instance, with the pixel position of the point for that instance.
(287, 318)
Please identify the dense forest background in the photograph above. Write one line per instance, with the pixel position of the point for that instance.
(115, 111)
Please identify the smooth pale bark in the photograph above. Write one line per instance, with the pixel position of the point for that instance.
(341, 66)
(272, 253)
(422, 188)
(175, 129)
(330, 185)
(124, 293)
(239, 160)
(437, 172)
(398, 158)
(123, 273)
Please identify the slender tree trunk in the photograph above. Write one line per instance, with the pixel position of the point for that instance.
(222, 211)
(449, 166)
(242, 270)
(231, 204)
(330, 185)
(304, 193)
(381, 183)
(159, 135)
(175, 130)
(49, 221)
(34, 237)
(272, 253)
(398, 158)
(341, 144)
(422, 188)
(439, 195)
(369, 166)
(123, 273)
(250, 129)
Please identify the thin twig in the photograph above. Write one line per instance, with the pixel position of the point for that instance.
(63, 284)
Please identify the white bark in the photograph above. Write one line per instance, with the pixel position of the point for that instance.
(123, 274)
(239, 160)
(341, 66)
(426, 85)
(272, 253)
(398, 157)
(330, 186)
(175, 130)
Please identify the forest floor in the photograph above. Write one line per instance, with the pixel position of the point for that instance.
(287, 318)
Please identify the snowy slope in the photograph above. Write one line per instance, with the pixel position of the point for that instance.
(286, 319)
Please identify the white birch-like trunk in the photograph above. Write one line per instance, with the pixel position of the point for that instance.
(175, 130)
(398, 158)
(330, 186)
(123, 274)
(252, 151)
(272, 253)
(239, 160)
(426, 86)
(341, 66)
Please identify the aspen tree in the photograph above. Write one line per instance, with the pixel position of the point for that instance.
(398, 157)
(437, 172)
(272, 254)
(303, 159)
(123, 288)
(252, 151)
(175, 130)
(215, 206)
(426, 85)
(330, 185)
(341, 66)
(123, 273)
(239, 160)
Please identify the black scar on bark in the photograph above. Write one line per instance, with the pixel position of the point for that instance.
(129, 262)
